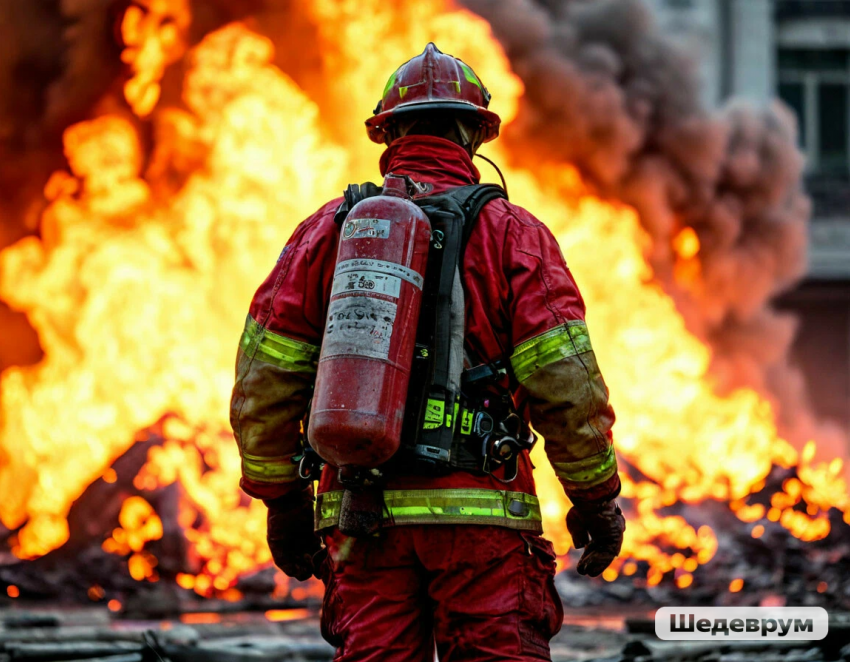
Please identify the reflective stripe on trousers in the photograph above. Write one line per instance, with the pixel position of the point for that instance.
(513, 510)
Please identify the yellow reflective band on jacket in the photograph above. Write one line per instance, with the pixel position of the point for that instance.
(269, 469)
(513, 510)
(590, 471)
(559, 343)
(286, 353)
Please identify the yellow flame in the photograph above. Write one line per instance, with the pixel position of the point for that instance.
(686, 244)
(154, 35)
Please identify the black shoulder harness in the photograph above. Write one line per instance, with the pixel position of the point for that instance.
(432, 402)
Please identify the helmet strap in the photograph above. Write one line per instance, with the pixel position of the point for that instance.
(471, 135)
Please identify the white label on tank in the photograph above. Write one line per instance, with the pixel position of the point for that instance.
(366, 281)
(366, 228)
(391, 268)
(359, 325)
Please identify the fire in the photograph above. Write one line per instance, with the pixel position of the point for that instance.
(277, 615)
(154, 35)
(147, 260)
(686, 244)
(139, 525)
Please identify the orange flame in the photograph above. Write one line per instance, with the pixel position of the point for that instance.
(686, 244)
(154, 35)
(140, 281)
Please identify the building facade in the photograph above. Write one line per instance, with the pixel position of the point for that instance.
(799, 51)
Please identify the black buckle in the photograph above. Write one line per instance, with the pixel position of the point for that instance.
(351, 476)
(432, 453)
(498, 451)
(504, 447)
(483, 424)
(482, 375)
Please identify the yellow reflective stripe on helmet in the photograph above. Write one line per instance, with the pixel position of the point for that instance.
(559, 343)
(515, 510)
(286, 353)
(590, 471)
(269, 469)
(389, 84)
(470, 75)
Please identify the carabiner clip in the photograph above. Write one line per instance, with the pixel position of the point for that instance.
(437, 236)
(308, 465)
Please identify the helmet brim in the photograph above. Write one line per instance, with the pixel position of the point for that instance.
(377, 125)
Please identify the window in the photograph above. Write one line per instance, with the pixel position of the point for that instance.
(816, 84)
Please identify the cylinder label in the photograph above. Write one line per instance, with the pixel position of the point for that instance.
(359, 325)
(391, 268)
(366, 228)
(366, 281)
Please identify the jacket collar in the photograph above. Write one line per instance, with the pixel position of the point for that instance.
(430, 159)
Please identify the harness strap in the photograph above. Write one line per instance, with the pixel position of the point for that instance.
(473, 205)
(453, 214)
(450, 222)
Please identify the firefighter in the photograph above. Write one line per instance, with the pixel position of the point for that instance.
(459, 562)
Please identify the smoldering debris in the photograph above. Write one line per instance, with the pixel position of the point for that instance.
(94, 633)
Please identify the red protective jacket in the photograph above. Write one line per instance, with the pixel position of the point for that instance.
(521, 303)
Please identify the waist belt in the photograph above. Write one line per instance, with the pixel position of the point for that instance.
(513, 510)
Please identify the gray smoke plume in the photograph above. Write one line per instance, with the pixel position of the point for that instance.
(606, 91)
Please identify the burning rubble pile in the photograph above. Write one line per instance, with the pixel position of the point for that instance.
(187, 169)
(758, 565)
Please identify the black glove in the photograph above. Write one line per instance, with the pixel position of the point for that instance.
(291, 538)
(597, 526)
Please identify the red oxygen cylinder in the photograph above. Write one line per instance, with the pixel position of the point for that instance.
(367, 351)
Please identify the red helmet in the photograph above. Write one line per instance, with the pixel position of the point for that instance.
(433, 81)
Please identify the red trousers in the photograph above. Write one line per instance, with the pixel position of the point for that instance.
(476, 592)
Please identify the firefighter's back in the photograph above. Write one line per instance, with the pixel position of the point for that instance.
(454, 556)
